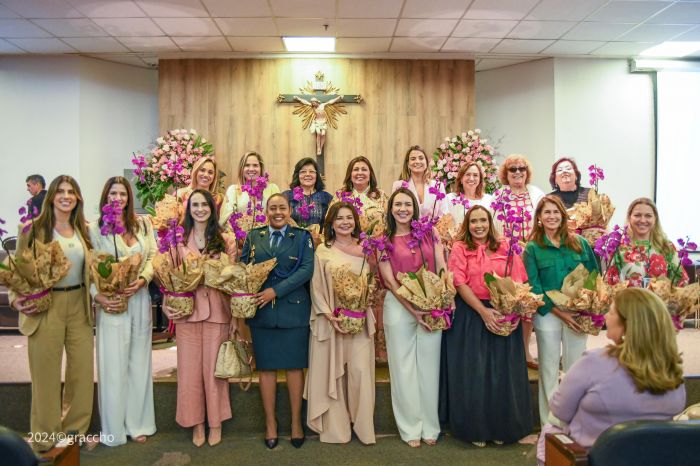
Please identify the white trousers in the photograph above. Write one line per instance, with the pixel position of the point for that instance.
(555, 341)
(414, 369)
(125, 384)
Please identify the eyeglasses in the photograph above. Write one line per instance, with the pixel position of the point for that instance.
(561, 170)
(517, 169)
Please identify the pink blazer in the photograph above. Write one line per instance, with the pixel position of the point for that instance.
(210, 305)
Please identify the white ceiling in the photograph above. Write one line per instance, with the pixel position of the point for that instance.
(494, 32)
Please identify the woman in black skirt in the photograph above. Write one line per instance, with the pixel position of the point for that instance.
(484, 389)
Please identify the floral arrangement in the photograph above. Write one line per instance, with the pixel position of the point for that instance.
(515, 219)
(305, 208)
(111, 275)
(680, 301)
(459, 150)
(344, 196)
(169, 164)
(686, 246)
(241, 223)
(431, 293)
(607, 246)
(591, 218)
(515, 301)
(34, 271)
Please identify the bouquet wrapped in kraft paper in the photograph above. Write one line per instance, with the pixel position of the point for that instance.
(431, 293)
(166, 209)
(34, 271)
(240, 281)
(112, 277)
(352, 293)
(178, 282)
(587, 296)
(513, 300)
(593, 217)
(447, 229)
(680, 301)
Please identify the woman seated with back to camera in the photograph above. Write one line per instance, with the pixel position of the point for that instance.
(638, 377)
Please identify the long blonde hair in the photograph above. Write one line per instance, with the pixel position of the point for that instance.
(657, 237)
(648, 350)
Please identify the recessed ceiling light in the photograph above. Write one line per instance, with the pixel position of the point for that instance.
(671, 49)
(309, 44)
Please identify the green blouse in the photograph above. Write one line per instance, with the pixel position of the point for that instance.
(547, 266)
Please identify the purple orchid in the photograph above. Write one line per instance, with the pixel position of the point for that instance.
(344, 196)
(683, 257)
(256, 189)
(515, 221)
(596, 174)
(305, 208)
(607, 246)
(170, 237)
(112, 223)
(2, 232)
(239, 232)
(27, 214)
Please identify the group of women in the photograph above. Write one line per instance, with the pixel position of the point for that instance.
(467, 377)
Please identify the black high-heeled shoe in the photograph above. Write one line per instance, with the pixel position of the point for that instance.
(298, 442)
(271, 443)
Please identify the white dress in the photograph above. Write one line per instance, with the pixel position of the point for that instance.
(125, 384)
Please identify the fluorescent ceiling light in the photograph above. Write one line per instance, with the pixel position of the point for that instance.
(671, 49)
(309, 44)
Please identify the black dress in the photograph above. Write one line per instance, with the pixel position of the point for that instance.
(484, 389)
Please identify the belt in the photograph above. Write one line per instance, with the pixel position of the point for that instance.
(68, 288)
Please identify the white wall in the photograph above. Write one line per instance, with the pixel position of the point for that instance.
(604, 114)
(515, 109)
(70, 115)
(593, 110)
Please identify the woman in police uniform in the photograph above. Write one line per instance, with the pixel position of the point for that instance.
(280, 328)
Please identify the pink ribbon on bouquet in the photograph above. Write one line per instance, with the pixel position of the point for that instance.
(597, 319)
(41, 294)
(187, 294)
(349, 313)
(677, 322)
(512, 318)
(437, 313)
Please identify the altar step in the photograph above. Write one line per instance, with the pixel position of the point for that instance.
(248, 419)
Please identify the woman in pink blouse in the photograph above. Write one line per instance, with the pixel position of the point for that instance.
(200, 395)
(638, 377)
(484, 389)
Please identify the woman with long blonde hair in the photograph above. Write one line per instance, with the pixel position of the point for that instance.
(638, 376)
(650, 254)
(416, 177)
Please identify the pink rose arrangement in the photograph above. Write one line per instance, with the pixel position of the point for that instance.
(464, 148)
(169, 164)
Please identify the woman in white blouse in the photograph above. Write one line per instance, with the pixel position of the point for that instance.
(123, 338)
(415, 176)
(468, 192)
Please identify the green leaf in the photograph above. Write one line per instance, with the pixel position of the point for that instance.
(489, 278)
(150, 210)
(104, 268)
(589, 284)
(4, 267)
(412, 275)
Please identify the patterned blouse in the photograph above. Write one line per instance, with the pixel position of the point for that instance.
(640, 261)
(317, 215)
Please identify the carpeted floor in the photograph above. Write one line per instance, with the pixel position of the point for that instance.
(176, 449)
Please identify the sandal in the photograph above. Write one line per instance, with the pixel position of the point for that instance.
(413, 443)
(430, 441)
(533, 365)
(479, 444)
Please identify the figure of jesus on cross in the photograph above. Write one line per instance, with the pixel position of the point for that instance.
(319, 125)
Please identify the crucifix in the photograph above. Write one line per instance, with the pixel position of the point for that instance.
(319, 104)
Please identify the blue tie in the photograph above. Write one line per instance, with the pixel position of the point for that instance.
(276, 240)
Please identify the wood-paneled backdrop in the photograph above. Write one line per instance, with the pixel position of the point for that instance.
(232, 103)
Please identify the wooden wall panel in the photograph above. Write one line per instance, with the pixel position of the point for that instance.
(232, 103)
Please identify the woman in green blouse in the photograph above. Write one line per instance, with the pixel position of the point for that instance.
(552, 253)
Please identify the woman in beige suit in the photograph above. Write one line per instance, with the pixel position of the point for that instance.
(340, 380)
(67, 324)
(199, 336)
(123, 338)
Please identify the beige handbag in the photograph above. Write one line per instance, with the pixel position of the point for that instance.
(234, 360)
